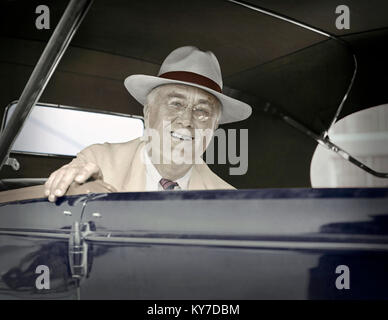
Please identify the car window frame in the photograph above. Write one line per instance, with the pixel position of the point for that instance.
(45, 104)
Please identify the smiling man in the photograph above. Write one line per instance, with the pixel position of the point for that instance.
(176, 120)
(183, 106)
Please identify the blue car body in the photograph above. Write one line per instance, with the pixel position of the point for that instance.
(245, 244)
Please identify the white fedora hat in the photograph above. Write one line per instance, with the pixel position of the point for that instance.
(190, 66)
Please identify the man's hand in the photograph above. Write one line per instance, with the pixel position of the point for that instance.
(60, 180)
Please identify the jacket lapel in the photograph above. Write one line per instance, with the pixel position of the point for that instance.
(196, 180)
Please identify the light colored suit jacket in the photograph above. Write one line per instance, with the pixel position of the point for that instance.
(122, 167)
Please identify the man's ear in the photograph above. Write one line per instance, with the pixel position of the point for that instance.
(219, 115)
(218, 118)
(146, 114)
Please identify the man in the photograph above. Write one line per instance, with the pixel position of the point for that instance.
(184, 99)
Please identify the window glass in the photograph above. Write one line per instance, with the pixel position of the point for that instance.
(65, 131)
(364, 135)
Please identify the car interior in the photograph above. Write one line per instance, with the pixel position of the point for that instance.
(265, 61)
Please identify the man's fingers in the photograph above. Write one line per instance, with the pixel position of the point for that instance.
(47, 185)
(60, 180)
(65, 182)
(55, 183)
(50, 180)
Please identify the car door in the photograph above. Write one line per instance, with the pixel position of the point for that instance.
(39, 256)
(237, 244)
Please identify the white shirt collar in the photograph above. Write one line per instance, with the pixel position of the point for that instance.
(153, 176)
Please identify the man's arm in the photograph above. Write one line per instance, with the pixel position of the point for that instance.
(79, 170)
(96, 186)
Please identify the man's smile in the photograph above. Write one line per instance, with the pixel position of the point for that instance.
(180, 136)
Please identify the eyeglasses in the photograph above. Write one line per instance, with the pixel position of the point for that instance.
(199, 113)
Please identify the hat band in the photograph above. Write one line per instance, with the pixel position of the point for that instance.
(192, 77)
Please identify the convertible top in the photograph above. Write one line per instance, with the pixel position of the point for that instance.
(302, 72)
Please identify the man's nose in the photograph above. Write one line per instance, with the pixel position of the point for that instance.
(186, 118)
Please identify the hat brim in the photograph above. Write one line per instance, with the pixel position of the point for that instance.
(140, 85)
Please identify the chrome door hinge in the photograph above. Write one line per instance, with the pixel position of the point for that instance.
(78, 250)
(14, 163)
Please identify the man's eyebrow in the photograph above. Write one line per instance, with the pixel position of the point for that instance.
(204, 101)
(176, 95)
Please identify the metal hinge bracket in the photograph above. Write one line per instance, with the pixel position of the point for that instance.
(15, 165)
(78, 250)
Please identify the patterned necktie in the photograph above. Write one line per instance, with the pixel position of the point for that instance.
(169, 185)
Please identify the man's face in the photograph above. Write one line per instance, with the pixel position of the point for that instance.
(180, 114)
